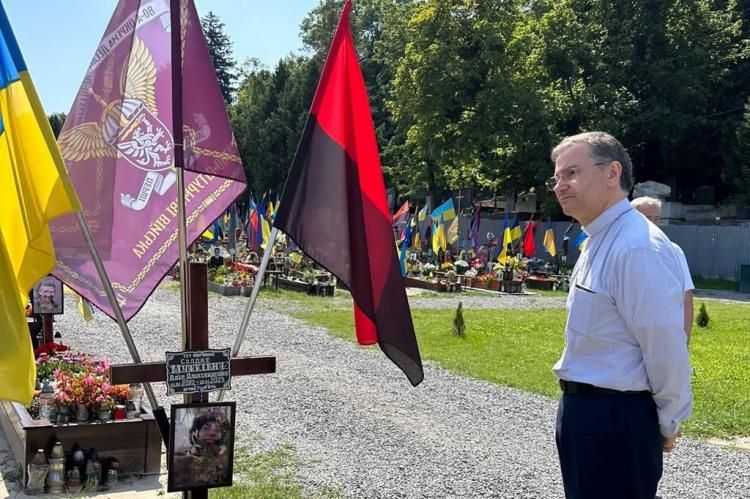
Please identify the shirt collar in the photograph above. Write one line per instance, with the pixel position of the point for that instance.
(607, 217)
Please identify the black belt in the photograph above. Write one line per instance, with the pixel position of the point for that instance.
(576, 388)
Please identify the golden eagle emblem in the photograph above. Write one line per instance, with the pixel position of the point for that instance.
(129, 127)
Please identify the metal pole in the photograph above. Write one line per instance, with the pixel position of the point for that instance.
(182, 238)
(179, 162)
(114, 303)
(458, 225)
(253, 297)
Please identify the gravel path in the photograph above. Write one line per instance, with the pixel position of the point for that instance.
(358, 425)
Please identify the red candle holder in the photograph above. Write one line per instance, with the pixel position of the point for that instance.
(120, 412)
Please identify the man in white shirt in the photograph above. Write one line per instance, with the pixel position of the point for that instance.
(624, 371)
(651, 209)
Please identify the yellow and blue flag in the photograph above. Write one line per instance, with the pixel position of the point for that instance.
(445, 211)
(580, 241)
(515, 229)
(438, 237)
(549, 239)
(34, 189)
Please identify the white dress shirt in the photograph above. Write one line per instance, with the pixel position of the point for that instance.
(625, 328)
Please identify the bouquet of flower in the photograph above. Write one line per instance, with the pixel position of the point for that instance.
(80, 379)
(50, 348)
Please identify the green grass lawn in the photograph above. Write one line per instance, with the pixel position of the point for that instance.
(712, 283)
(271, 474)
(518, 348)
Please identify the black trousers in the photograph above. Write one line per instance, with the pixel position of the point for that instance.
(609, 446)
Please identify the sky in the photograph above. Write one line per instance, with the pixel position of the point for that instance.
(58, 37)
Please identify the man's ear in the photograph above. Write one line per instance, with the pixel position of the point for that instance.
(615, 170)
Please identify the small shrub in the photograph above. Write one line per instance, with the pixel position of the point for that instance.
(459, 327)
(703, 318)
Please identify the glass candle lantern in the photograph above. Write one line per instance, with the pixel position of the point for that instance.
(56, 474)
(37, 471)
(135, 394)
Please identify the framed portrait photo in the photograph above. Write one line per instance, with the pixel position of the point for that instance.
(201, 446)
(47, 296)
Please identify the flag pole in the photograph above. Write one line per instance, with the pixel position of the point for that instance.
(179, 161)
(253, 297)
(107, 284)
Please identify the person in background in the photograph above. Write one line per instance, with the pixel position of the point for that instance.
(624, 371)
(216, 259)
(651, 209)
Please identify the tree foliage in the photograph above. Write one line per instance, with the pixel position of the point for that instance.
(220, 48)
(56, 122)
(474, 93)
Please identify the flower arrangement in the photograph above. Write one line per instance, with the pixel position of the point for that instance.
(471, 273)
(428, 269)
(461, 266)
(226, 276)
(446, 266)
(50, 348)
(80, 379)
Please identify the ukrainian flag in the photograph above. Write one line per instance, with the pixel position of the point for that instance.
(515, 229)
(34, 188)
(549, 239)
(438, 237)
(581, 239)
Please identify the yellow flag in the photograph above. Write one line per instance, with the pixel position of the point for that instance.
(438, 238)
(17, 367)
(34, 189)
(84, 308)
(266, 231)
(507, 241)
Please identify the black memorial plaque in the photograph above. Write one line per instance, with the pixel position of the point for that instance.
(198, 371)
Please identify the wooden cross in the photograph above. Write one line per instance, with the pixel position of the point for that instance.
(197, 339)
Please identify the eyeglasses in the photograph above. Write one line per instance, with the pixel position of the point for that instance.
(569, 175)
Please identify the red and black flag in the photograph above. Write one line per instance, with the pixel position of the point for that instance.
(334, 205)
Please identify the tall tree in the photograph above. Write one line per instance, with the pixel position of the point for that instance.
(378, 30)
(737, 172)
(269, 116)
(455, 94)
(651, 72)
(56, 121)
(220, 48)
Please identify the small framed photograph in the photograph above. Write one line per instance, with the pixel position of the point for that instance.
(47, 296)
(201, 446)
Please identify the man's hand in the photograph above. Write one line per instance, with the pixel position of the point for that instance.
(669, 443)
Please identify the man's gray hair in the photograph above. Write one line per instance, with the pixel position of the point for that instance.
(604, 149)
(644, 201)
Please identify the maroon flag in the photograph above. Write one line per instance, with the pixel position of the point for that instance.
(334, 206)
(118, 147)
